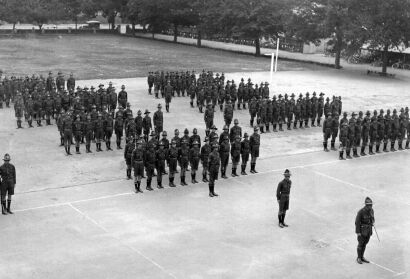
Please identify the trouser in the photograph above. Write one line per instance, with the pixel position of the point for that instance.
(361, 246)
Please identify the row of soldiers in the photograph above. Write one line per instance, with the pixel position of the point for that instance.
(10, 86)
(366, 130)
(86, 127)
(185, 151)
(39, 104)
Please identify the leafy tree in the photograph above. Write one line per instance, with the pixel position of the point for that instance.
(385, 25)
(180, 13)
(13, 11)
(133, 11)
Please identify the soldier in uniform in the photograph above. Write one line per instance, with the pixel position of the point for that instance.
(119, 128)
(194, 158)
(236, 130)
(236, 154)
(380, 130)
(313, 109)
(214, 162)
(192, 93)
(7, 185)
(343, 139)
(146, 124)
(112, 100)
(168, 91)
(365, 133)
(407, 122)
(137, 161)
(172, 161)
(183, 159)
(402, 128)
(123, 97)
(158, 120)
(373, 132)
(194, 137)
(282, 196)
(70, 82)
(228, 113)
(19, 109)
(253, 109)
(205, 151)
(108, 129)
(282, 112)
(149, 162)
(150, 81)
(68, 132)
(395, 126)
(254, 143)
(209, 116)
(245, 151)
(99, 132)
(327, 131)
(160, 156)
(364, 229)
(77, 130)
(350, 135)
(224, 149)
(88, 129)
(335, 130)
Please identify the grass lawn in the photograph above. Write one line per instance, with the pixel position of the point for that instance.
(110, 56)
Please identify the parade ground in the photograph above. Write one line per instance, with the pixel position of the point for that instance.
(78, 216)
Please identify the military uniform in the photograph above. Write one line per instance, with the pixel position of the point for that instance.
(183, 160)
(146, 124)
(172, 161)
(282, 196)
(122, 97)
(68, 132)
(209, 117)
(7, 185)
(254, 143)
(160, 155)
(137, 161)
(194, 158)
(343, 139)
(327, 131)
(205, 151)
(108, 129)
(214, 162)
(158, 120)
(77, 130)
(363, 224)
(149, 162)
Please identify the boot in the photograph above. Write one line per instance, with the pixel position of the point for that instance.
(371, 149)
(274, 128)
(77, 150)
(262, 130)
(195, 178)
(61, 142)
(213, 191)
(362, 151)
(289, 126)
(313, 123)
(332, 146)
(171, 182)
(244, 106)
(348, 154)
(341, 155)
(283, 220)
(377, 148)
(3, 208)
(30, 124)
(280, 127)
(136, 188)
(318, 122)
(243, 168)
(87, 148)
(239, 106)
(280, 221)
(128, 174)
(407, 145)
(301, 124)
(182, 181)
(210, 191)
(267, 128)
(149, 185)
(68, 148)
(251, 122)
(355, 153)
(295, 125)
(385, 147)
(392, 146)
(401, 145)
(233, 173)
(159, 186)
(325, 147)
(96, 148)
(224, 174)
(192, 178)
(359, 256)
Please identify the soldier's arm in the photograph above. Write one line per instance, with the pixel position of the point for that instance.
(278, 191)
(14, 175)
(357, 222)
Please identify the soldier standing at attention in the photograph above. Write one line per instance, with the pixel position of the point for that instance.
(344, 130)
(282, 196)
(183, 159)
(158, 120)
(254, 143)
(146, 124)
(172, 161)
(194, 157)
(99, 132)
(214, 162)
(235, 154)
(77, 130)
(224, 150)
(150, 81)
(8, 178)
(149, 161)
(205, 151)
(245, 150)
(235, 131)
(108, 129)
(209, 116)
(88, 132)
(327, 131)
(123, 97)
(335, 130)
(70, 82)
(129, 148)
(169, 90)
(68, 132)
(160, 156)
(364, 223)
(137, 160)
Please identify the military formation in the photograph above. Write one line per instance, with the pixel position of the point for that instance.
(153, 156)
(209, 91)
(380, 132)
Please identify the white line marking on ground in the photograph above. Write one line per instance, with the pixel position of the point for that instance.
(341, 181)
(119, 240)
(385, 268)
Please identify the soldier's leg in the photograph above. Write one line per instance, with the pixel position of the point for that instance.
(341, 150)
(204, 172)
(392, 142)
(401, 140)
(182, 175)
(349, 147)
(159, 178)
(318, 120)
(385, 142)
(408, 139)
(325, 139)
(77, 144)
(312, 120)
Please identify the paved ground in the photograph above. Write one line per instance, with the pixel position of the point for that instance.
(78, 217)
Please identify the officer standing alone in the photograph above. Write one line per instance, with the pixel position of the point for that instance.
(8, 182)
(282, 196)
(364, 228)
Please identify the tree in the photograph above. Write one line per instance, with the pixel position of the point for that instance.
(13, 11)
(385, 25)
(133, 12)
(253, 19)
(154, 14)
(72, 10)
(41, 11)
(181, 13)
